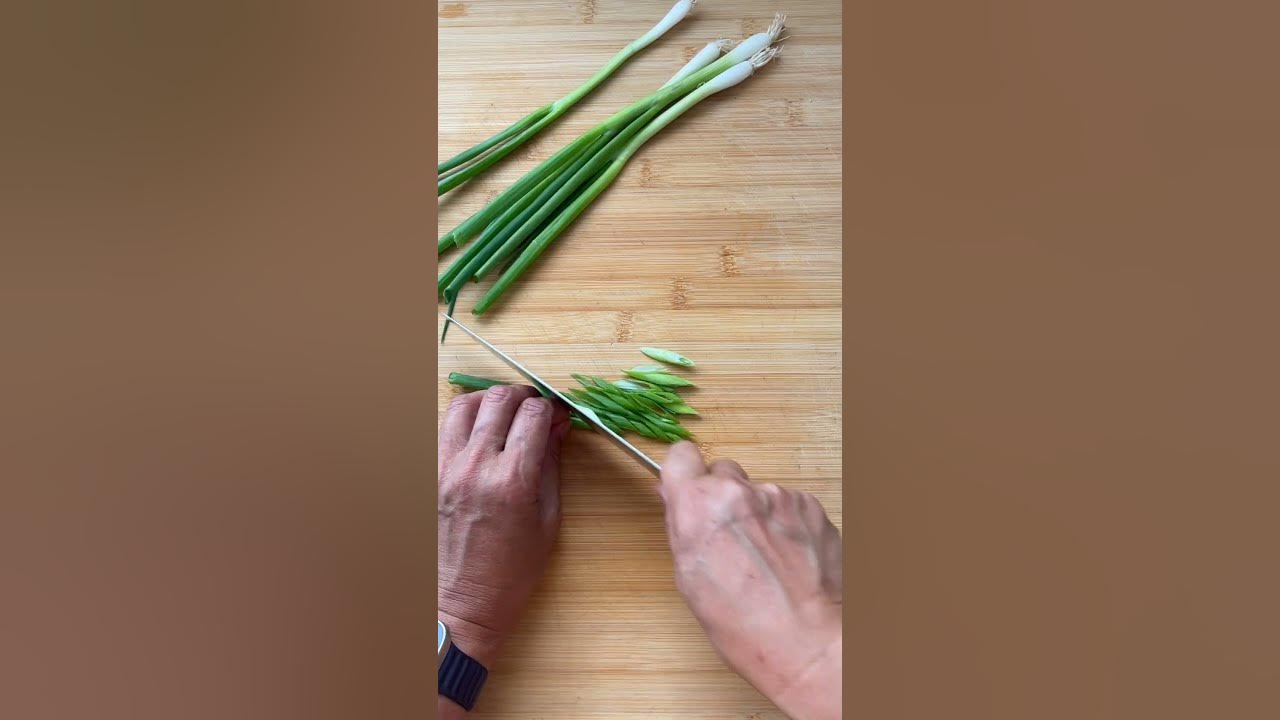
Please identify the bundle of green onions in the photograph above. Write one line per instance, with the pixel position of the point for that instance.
(476, 160)
(644, 403)
(518, 225)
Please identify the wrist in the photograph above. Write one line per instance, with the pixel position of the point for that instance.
(480, 643)
(815, 692)
(447, 709)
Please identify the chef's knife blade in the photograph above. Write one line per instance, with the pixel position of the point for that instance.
(587, 413)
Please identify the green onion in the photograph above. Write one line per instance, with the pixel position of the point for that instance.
(471, 382)
(690, 77)
(658, 378)
(643, 409)
(565, 217)
(479, 158)
(480, 220)
(667, 356)
(704, 57)
(520, 224)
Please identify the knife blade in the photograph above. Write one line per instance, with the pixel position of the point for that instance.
(587, 413)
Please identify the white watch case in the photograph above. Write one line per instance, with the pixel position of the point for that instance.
(443, 641)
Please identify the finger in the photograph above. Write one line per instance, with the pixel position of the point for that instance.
(813, 511)
(549, 477)
(561, 413)
(728, 468)
(527, 438)
(455, 430)
(494, 417)
(683, 463)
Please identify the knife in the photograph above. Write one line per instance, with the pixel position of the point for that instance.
(542, 386)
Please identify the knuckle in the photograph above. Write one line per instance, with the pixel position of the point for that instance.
(813, 508)
(472, 469)
(730, 497)
(536, 407)
(686, 529)
(497, 393)
(683, 496)
(733, 491)
(682, 524)
(458, 403)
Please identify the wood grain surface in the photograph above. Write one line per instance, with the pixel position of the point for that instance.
(720, 240)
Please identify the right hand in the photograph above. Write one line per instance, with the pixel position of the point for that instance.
(760, 568)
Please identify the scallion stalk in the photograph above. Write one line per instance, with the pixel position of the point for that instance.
(499, 234)
(518, 226)
(722, 81)
(704, 57)
(575, 175)
(668, 93)
(479, 158)
(471, 382)
(488, 213)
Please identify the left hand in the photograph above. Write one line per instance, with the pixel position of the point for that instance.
(499, 510)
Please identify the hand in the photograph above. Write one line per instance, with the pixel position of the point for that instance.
(499, 510)
(759, 567)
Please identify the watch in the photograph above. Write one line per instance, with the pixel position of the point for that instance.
(459, 676)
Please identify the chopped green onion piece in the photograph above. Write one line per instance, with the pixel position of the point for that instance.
(667, 356)
(663, 379)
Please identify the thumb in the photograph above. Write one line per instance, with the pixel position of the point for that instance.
(683, 463)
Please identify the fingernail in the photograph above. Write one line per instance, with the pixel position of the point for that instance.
(536, 407)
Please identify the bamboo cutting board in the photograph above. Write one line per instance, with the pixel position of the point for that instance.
(720, 240)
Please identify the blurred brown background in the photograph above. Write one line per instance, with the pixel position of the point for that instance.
(1060, 307)
(218, 419)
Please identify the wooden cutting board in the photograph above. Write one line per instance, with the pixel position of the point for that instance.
(720, 240)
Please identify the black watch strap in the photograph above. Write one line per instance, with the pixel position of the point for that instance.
(460, 678)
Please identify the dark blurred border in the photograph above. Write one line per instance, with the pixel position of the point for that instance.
(218, 363)
(1061, 297)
